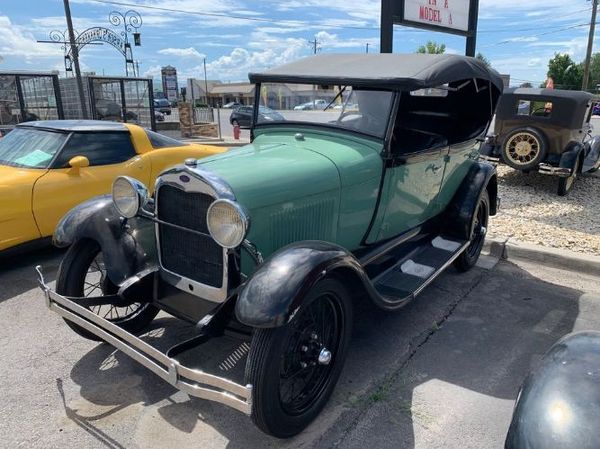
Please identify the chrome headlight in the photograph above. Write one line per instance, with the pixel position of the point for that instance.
(227, 223)
(128, 195)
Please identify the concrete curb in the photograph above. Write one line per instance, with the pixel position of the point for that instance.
(509, 248)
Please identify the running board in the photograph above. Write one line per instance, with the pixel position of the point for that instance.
(403, 281)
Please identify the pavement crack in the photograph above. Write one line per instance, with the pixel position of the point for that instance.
(380, 391)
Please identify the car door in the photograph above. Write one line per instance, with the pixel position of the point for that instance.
(459, 159)
(110, 154)
(412, 183)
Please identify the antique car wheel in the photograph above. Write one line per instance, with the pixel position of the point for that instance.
(82, 274)
(469, 257)
(524, 149)
(565, 185)
(294, 368)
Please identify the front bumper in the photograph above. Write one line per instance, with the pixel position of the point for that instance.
(194, 382)
(547, 169)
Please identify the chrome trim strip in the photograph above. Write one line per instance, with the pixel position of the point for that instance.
(547, 169)
(233, 395)
(492, 159)
(195, 185)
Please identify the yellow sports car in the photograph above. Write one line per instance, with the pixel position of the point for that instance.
(47, 168)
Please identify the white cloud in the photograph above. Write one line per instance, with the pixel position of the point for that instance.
(189, 52)
(153, 71)
(16, 41)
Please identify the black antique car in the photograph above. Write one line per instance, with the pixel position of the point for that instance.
(545, 130)
(267, 248)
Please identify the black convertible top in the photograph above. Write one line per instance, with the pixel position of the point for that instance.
(406, 72)
(568, 106)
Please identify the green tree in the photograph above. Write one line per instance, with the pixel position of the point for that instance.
(565, 72)
(483, 59)
(526, 84)
(594, 72)
(432, 48)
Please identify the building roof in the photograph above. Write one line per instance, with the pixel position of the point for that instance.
(232, 88)
(75, 125)
(392, 71)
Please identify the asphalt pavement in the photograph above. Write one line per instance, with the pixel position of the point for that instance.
(442, 372)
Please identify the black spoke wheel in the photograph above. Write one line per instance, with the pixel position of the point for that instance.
(479, 226)
(293, 369)
(82, 274)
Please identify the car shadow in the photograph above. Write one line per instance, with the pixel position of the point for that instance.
(511, 319)
(17, 270)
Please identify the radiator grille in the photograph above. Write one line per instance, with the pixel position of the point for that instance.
(196, 257)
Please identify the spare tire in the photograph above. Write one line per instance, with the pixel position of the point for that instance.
(524, 148)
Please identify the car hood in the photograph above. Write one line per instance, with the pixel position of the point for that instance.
(263, 175)
(16, 176)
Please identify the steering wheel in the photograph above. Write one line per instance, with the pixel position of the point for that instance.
(370, 121)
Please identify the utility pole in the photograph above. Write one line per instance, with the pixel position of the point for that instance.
(205, 83)
(367, 48)
(588, 57)
(75, 54)
(315, 45)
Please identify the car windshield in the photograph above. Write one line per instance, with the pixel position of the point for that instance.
(365, 111)
(30, 148)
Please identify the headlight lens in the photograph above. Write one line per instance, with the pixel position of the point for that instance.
(129, 195)
(227, 223)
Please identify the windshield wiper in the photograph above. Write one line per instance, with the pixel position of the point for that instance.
(335, 98)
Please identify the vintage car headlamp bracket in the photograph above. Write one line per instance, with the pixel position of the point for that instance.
(229, 234)
(129, 195)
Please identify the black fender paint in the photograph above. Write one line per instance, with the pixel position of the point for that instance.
(459, 213)
(558, 405)
(274, 293)
(571, 154)
(128, 247)
(592, 158)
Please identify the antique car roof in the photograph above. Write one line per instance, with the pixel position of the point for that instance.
(75, 125)
(390, 71)
(568, 106)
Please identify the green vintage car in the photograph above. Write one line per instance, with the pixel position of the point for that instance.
(265, 248)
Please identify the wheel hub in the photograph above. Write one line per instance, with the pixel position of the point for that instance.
(523, 148)
(324, 357)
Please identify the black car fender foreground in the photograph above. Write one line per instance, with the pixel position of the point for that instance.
(125, 252)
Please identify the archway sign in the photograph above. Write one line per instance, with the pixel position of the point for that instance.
(107, 36)
(445, 16)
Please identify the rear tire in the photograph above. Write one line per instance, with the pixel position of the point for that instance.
(470, 256)
(298, 351)
(81, 267)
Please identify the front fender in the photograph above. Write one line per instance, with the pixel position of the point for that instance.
(570, 156)
(272, 295)
(559, 403)
(592, 159)
(128, 247)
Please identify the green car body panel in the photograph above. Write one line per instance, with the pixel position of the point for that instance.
(334, 203)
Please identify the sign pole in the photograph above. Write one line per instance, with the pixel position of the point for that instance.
(387, 27)
(590, 47)
(75, 53)
(472, 37)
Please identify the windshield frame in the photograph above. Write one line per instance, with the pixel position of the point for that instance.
(382, 138)
(50, 163)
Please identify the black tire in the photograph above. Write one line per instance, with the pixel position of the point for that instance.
(480, 220)
(524, 148)
(565, 185)
(274, 353)
(72, 275)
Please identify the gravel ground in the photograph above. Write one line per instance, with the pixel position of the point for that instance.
(532, 212)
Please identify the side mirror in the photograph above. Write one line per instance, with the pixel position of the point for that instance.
(78, 162)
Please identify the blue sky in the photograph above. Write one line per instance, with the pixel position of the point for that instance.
(518, 36)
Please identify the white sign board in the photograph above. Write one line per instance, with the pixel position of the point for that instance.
(452, 14)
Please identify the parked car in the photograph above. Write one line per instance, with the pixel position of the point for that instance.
(545, 130)
(159, 116)
(312, 105)
(266, 248)
(48, 167)
(558, 405)
(162, 105)
(232, 105)
(110, 110)
(596, 110)
(242, 116)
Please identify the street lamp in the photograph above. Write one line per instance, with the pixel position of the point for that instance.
(131, 21)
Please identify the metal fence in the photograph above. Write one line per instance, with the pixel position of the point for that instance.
(29, 96)
(204, 115)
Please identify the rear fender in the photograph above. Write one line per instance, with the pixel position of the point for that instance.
(271, 297)
(573, 151)
(592, 159)
(459, 214)
(128, 246)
